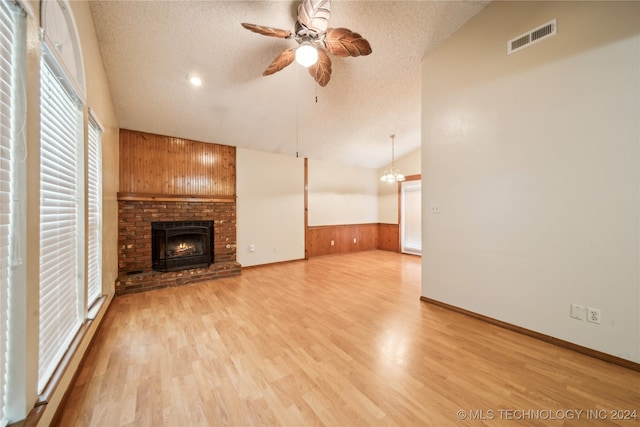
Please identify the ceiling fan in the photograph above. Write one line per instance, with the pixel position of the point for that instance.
(314, 39)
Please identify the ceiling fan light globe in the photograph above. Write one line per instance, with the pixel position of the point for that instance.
(306, 55)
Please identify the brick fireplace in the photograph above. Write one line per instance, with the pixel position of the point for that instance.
(166, 179)
(135, 216)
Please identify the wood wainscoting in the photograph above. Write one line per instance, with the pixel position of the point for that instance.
(338, 239)
(389, 237)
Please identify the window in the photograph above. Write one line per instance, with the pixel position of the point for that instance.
(61, 217)
(12, 44)
(94, 205)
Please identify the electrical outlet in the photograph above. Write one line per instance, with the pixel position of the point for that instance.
(434, 208)
(354, 240)
(577, 311)
(332, 243)
(252, 248)
(594, 315)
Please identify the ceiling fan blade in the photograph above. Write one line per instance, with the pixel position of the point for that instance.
(314, 14)
(321, 70)
(344, 42)
(284, 59)
(267, 31)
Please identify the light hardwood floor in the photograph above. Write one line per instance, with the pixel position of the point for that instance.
(334, 341)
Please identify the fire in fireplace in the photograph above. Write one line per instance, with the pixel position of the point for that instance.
(181, 245)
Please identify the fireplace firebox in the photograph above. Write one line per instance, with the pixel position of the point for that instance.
(181, 245)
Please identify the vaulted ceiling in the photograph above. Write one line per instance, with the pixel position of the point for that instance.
(150, 49)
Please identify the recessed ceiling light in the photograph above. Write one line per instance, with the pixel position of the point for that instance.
(196, 81)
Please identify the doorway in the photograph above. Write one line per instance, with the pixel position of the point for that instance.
(411, 217)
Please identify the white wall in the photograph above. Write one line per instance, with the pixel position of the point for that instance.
(270, 207)
(342, 194)
(534, 160)
(388, 193)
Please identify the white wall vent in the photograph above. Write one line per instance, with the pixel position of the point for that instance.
(527, 39)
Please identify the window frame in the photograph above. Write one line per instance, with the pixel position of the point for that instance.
(13, 288)
(94, 207)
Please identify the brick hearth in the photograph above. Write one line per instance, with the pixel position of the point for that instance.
(134, 242)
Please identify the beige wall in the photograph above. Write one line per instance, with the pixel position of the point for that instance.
(270, 207)
(534, 160)
(342, 194)
(99, 100)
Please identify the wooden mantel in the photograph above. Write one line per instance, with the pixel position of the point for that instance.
(148, 197)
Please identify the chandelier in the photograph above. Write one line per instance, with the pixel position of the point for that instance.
(393, 174)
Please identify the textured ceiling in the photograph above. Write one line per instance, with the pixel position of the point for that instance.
(151, 48)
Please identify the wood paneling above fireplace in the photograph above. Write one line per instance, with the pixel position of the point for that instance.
(162, 165)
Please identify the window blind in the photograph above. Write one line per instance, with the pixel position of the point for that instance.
(61, 219)
(7, 99)
(94, 207)
(412, 217)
